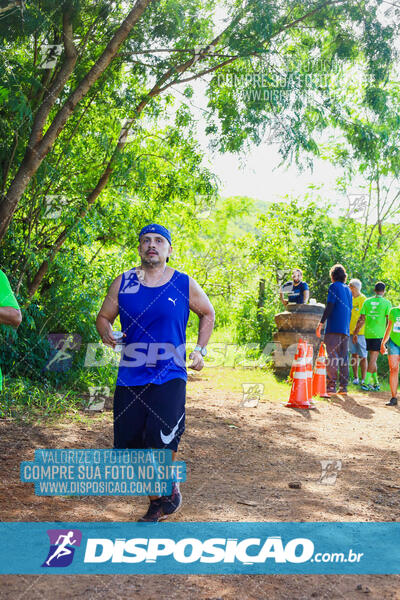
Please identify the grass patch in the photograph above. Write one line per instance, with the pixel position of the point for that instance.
(26, 401)
(232, 380)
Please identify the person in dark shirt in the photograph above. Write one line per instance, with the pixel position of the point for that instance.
(337, 315)
(297, 288)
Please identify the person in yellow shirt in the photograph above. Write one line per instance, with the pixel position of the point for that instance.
(357, 343)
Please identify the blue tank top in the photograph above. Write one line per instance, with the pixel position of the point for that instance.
(154, 320)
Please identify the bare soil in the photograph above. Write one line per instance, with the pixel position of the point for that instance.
(269, 447)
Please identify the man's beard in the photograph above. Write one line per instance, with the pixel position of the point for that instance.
(147, 260)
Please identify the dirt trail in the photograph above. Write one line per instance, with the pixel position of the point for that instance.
(268, 447)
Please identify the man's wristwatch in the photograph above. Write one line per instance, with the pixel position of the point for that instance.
(203, 351)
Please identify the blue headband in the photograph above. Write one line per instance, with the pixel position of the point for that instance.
(154, 228)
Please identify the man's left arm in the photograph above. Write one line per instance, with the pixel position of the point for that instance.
(201, 305)
(306, 293)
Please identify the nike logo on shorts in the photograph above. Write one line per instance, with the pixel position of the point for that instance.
(167, 439)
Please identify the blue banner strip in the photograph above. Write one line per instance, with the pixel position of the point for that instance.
(190, 548)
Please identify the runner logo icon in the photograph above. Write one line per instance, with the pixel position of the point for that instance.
(131, 284)
(62, 542)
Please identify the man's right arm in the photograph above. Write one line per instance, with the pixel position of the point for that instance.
(108, 313)
(326, 314)
(330, 303)
(10, 316)
(10, 313)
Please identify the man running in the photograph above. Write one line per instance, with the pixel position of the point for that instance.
(153, 302)
(298, 289)
(392, 334)
(357, 343)
(374, 314)
(10, 313)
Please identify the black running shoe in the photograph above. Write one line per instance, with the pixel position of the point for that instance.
(172, 503)
(162, 508)
(393, 402)
(154, 512)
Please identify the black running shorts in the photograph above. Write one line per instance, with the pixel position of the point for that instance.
(374, 344)
(149, 416)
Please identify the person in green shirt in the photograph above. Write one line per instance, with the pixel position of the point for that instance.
(374, 314)
(392, 334)
(10, 313)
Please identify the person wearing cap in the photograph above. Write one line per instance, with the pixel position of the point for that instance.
(357, 343)
(298, 290)
(154, 302)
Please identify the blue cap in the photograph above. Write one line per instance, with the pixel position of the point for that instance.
(154, 228)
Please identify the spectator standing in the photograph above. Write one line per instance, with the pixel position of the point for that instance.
(337, 315)
(298, 290)
(357, 343)
(374, 315)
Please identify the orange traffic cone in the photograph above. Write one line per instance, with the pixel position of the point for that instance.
(296, 356)
(309, 363)
(298, 393)
(319, 375)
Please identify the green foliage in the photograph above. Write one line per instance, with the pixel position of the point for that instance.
(229, 248)
(275, 65)
(27, 352)
(292, 235)
(24, 399)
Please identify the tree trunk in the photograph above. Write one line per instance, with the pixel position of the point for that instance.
(261, 294)
(44, 267)
(160, 86)
(38, 146)
(262, 326)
